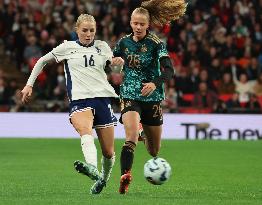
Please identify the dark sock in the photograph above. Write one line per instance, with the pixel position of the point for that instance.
(127, 156)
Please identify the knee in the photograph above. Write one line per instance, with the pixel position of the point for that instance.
(132, 134)
(109, 153)
(82, 129)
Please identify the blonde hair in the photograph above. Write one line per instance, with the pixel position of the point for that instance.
(84, 17)
(161, 12)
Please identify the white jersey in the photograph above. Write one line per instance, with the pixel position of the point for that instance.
(84, 69)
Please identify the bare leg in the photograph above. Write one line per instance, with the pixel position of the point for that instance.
(153, 139)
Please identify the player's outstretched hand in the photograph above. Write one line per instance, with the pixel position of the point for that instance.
(148, 89)
(26, 93)
(117, 61)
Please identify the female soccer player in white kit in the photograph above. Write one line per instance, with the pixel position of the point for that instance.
(88, 90)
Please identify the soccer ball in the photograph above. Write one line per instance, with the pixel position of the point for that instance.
(157, 171)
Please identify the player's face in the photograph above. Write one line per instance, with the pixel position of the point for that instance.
(139, 24)
(86, 32)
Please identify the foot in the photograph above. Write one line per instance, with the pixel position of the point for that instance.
(87, 169)
(98, 186)
(124, 182)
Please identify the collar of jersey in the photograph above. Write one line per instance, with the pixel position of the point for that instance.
(132, 34)
(89, 45)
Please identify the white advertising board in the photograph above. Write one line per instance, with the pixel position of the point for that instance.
(176, 126)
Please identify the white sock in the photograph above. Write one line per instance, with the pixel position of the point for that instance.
(107, 165)
(89, 149)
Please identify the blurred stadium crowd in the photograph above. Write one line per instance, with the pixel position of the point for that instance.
(216, 50)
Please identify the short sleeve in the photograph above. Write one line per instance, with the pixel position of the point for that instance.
(59, 52)
(105, 50)
(108, 51)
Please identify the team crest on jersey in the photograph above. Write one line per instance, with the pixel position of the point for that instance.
(98, 50)
(143, 48)
(126, 50)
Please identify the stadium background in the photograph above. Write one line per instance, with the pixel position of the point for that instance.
(216, 50)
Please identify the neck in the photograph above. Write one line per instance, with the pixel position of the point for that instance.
(85, 45)
(135, 38)
(138, 38)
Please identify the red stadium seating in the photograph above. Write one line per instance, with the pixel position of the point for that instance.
(4, 108)
(194, 110)
(260, 100)
(225, 97)
(188, 97)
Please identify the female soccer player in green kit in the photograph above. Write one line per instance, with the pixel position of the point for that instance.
(142, 89)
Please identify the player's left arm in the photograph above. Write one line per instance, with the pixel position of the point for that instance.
(166, 74)
(167, 71)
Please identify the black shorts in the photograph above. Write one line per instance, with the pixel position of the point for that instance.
(150, 112)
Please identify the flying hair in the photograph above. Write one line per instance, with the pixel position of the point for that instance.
(161, 12)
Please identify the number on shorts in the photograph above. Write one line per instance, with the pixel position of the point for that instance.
(111, 110)
(157, 111)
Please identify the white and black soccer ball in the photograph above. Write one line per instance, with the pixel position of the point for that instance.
(157, 171)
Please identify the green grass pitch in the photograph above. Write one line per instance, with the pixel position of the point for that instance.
(40, 172)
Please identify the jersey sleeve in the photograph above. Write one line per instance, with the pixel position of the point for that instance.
(108, 52)
(117, 50)
(38, 67)
(161, 50)
(105, 50)
(59, 52)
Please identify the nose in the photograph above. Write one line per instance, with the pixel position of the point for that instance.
(87, 32)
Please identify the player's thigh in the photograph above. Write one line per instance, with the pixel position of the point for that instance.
(153, 137)
(151, 113)
(131, 121)
(106, 140)
(83, 122)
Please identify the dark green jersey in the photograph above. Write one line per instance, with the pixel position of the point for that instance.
(141, 65)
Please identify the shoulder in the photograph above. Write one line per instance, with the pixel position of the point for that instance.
(125, 38)
(154, 38)
(100, 43)
(103, 48)
(67, 44)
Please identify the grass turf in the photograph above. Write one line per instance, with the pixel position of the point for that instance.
(40, 171)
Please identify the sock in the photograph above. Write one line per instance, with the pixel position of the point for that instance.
(107, 165)
(127, 156)
(89, 149)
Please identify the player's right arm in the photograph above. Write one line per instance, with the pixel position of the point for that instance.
(28, 89)
(56, 55)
